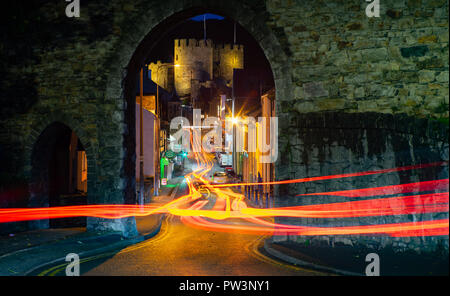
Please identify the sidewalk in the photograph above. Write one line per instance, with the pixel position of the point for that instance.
(22, 253)
(348, 260)
(28, 239)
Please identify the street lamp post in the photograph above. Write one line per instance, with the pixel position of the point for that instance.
(141, 142)
(234, 126)
(156, 139)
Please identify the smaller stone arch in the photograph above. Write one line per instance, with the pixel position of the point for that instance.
(58, 173)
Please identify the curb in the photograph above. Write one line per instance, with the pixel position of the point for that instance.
(154, 231)
(119, 244)
(174, 191)
(298, 262)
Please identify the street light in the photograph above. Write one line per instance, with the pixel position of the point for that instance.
(234, 124)
(156, 130)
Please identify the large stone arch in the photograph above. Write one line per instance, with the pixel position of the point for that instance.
(144, 32)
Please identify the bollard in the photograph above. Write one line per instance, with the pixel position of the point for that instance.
(267, 199)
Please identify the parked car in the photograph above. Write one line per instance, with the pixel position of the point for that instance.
(229, 170)
(219, 178)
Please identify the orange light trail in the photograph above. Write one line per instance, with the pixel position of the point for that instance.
(339, 176)
(230, 212)
(435, 227)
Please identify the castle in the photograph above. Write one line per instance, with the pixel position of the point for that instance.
(198, 64)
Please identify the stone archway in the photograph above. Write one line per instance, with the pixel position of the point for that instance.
(58, 174)
(132, 48)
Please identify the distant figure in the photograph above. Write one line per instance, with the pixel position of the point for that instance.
(259, 181)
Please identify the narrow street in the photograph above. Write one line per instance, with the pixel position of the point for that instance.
(182, 250)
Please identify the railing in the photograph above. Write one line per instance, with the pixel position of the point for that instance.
(257, 196)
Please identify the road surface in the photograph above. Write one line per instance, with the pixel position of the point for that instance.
(181, 250)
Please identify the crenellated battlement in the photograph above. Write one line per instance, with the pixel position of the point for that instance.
(208, 43)
(229, 47)
(157, 64)
(193, 43)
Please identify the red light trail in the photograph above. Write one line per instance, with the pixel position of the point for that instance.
(339, 176)
(230, 213)
(389, 190)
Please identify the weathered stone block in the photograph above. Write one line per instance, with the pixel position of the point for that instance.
(426, 76)
(374, 54)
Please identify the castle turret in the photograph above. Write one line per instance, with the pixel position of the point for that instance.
(161, 74)
(193, 59)
(228, 57)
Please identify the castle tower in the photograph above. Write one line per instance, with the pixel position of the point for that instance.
(193, 59)
(228, 57)
(161, 74)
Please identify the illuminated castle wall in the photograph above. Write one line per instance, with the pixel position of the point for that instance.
(162, 74)
(200, 61)
(228, 57)
(195, 60)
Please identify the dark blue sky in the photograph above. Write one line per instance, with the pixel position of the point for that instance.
(209, 16)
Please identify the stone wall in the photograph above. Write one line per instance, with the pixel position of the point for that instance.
(325, 56)
(343, 60)
(331, 143)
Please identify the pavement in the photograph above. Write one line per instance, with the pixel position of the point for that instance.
(350, 260)
(23, 253)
